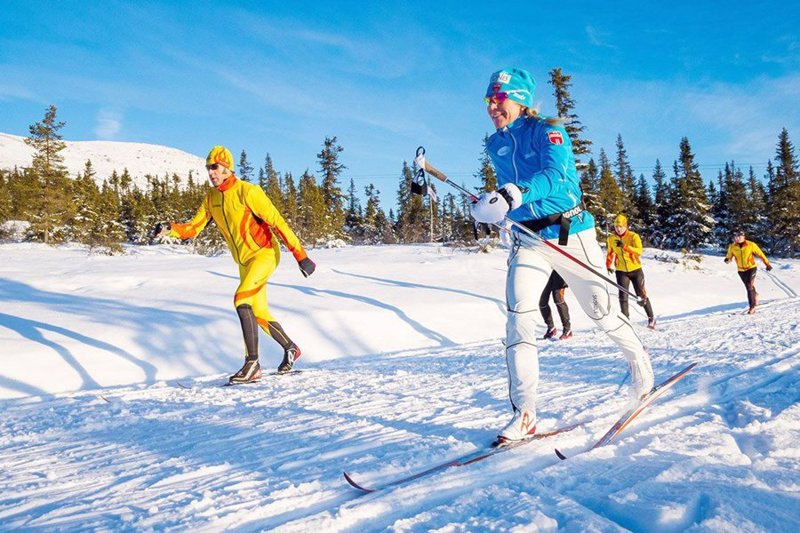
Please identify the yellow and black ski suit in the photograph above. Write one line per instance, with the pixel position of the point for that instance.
(251, 226)
(745, 255)
(624, 256)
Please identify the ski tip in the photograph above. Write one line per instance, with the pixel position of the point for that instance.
(181, 385)
(561, 455)
(355, 485)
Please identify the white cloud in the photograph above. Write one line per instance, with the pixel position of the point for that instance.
(15, 92)
(108, 124)
(598, 38)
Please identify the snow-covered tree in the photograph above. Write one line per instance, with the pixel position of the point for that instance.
(331, 168)
(784, 208)
(690, 224)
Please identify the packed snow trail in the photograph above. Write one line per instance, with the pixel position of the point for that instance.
(402, 368)
(721, 453)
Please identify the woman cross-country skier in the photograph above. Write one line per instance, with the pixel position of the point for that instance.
(539, 188)
(625, 257)
(251, 226)
(745, 253)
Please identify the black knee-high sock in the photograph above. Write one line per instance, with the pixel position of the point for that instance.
(280, 336)
(249, 330)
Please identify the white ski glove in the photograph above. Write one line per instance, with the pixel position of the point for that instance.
(491, 207)
(512, 194)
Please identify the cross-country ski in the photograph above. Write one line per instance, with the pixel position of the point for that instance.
(473, 457)
(628, 417)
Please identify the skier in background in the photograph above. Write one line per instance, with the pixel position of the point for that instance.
(538, 187)
(745, 253)
(555, 287)
(250, 225)
(625, 256)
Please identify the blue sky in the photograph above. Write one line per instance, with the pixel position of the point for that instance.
(385, 77)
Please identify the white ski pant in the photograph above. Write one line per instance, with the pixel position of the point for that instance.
(529, 267)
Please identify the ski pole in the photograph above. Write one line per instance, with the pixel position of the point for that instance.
(436, 173)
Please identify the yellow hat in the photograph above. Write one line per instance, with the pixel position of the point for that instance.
(621, 220)
(221, 155)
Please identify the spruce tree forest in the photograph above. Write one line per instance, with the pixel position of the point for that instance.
(674, 207)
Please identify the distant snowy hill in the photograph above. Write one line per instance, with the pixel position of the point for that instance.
(139, 158)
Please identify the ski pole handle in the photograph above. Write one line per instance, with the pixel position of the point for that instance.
(436, 173)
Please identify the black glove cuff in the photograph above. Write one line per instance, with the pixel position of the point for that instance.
(506, 196)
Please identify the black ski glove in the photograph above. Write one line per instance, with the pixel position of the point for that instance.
(619, 243)
(307, 266)
(161, 229)
(727, 259)
(769, 267)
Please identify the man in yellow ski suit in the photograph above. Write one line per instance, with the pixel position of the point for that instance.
(251, 226)
(624, 257)
(745, 253)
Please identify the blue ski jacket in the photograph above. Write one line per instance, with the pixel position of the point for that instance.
(537, 157)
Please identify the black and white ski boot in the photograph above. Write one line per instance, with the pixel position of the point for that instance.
(249, 373)
(290, 355)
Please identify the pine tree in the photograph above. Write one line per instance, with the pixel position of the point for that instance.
(486, 173)
(53, 206)
(564, 105)
(86, 198)
(589, 185)
(5, 198)
(272, 185)
(354, 218)
(690, 224)
(645, 208)
(412, 214)
(609, 197)
(718, 199)
(738, 204)
(290, 197)
(108, 232)
(377, 227)
(331, 168)
(313, 221)
(245, 168)
(625, 180)
(784, 211)
(757, 196)
(661, 204)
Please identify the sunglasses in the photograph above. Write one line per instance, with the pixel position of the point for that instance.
(215, 166)
(497, 97)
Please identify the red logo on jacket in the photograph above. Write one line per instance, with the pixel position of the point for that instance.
(555, 137)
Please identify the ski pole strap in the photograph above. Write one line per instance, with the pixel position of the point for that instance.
(562, 219)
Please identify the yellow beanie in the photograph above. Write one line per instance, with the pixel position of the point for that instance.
(621, 220)
(221, 155)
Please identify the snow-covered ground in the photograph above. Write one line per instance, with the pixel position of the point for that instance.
(139, 158)
(402, 368)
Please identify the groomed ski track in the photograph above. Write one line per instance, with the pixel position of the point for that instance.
(719, 451)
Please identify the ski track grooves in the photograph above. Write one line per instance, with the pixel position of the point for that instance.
(209, 458)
